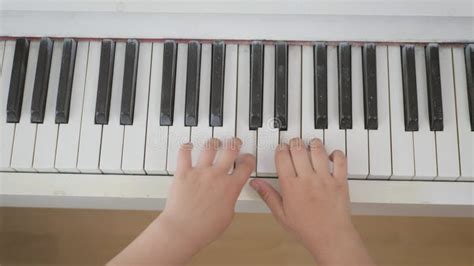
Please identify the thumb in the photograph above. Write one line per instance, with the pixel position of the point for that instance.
(270, 196)
(243, 169)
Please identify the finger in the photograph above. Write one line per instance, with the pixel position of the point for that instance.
(229, 153)
(184, 162)
(243, 168)
(283, 163)
(208, 154)
(339, 165)
(271, 197)
(319, 156)
(300, 158)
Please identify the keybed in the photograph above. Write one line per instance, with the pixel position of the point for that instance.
(6, 129)
(90, 133)
(124, 106)
(67, 147)
(156, 146)
(25, 130)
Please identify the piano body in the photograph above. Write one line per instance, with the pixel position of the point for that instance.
(96, 96)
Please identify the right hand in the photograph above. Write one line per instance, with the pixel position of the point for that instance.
(314, 203)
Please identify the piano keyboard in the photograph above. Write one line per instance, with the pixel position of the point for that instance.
(398, 111)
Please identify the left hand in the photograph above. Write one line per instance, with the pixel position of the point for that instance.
(202, 198)
(199, 208)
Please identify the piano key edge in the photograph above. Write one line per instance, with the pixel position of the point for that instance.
(141, 192)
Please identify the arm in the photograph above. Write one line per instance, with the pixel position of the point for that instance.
(198, 210)
(314, 204)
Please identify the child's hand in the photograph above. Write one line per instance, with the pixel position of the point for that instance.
(202, 198)
(312, 200)
(314, 203)
(199, 208)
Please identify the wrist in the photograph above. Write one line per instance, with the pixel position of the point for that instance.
(176, 247)
(339, 247)
(335, 237)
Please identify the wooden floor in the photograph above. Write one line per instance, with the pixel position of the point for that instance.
(54, 236)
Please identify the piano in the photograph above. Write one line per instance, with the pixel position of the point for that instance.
(97, 96)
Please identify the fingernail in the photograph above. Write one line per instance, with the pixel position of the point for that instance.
(293, 142)
(238, 141)
(255, 184)
(234, 143)
(315, 143)
(296, 142)
(187, 146)
(231, 144)
(282, 147)
(213, 143)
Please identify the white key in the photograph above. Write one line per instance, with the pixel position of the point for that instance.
(47, 132)
(90, 139)
(7, 130)
(248, 137)
(25, 131)
(2, 50)
(112, 133)
(267, 136)
(380, 160)
(69, 134)
(156, 135)
(133, 156)
(203, 132)
(423, 139)
(447, 140)
(403, 163)
(356, 138)
(294, 95)
(334, 138)
(227, 130)
(466, 136)
(178, 133)
(308, 132)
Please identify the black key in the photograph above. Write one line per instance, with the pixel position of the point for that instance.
(320, 86)
(127, 107)
(281, 86)
(217, 85)
(104, 90)
(369, 64)
(469, 53)
(256, 85)
(193, 73)
(17, 81)
(40, 89)
(433, 79)
(345, 86)
(410, 102)
(66, 76)
(170, 53)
